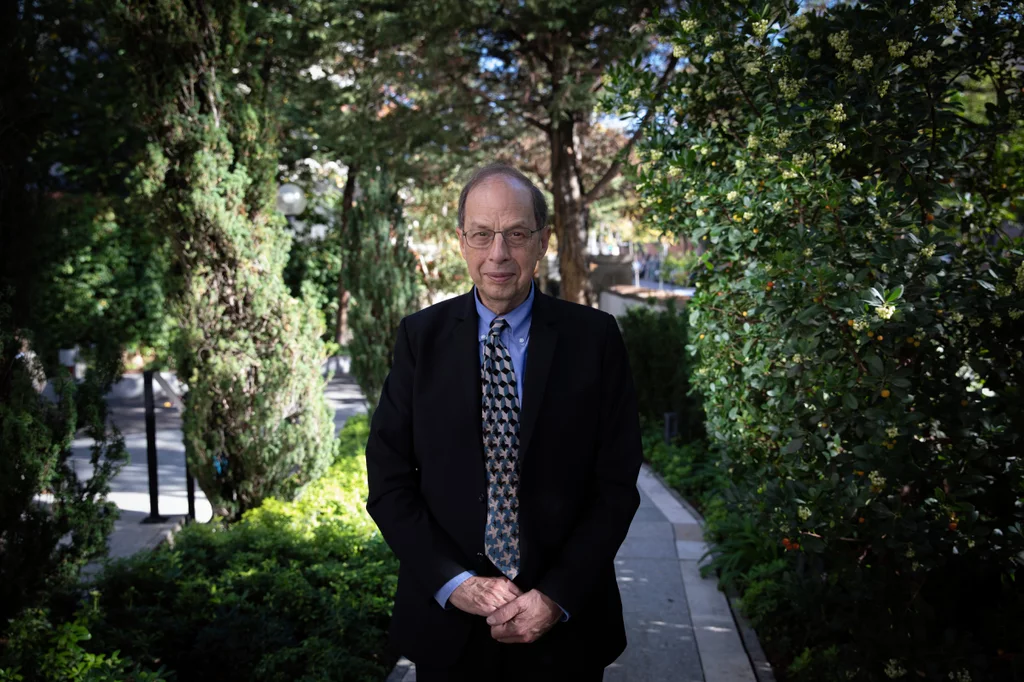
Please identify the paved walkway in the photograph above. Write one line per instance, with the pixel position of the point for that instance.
(678, 625)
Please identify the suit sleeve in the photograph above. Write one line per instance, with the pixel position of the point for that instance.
(394, 500)
(592, 545)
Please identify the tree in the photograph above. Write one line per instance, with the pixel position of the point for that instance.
(540, 65)
(257, 422)
(367, 98)
(81, 275)
(381, 274)
(859, 321)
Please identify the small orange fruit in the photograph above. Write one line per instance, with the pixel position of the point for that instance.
(885, 393)
(952, 525)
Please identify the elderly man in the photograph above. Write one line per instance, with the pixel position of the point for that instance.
(502, 462)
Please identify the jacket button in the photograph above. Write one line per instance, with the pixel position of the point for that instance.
(482, 498)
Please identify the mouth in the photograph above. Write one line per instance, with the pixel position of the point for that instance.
(500, 277)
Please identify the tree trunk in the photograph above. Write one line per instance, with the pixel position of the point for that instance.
(570, 214)
(346, 213)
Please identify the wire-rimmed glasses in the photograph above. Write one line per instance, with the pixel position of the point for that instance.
(514, 237)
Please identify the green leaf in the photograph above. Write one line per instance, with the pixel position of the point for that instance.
(793, 446)
(874, 364)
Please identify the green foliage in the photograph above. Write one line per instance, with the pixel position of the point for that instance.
(81, 272)
(99, 284)
(679, 269)
(312, 273)
(257, 423)
(687, 467)
(51, 523)
(858, 323)
(294, 591)
(380, 272)
(656, 342)
(39, 650)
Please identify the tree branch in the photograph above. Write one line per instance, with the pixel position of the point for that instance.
(613, 169)
(536, 123)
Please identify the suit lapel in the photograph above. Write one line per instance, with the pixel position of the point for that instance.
(543, 339)
(465, 365)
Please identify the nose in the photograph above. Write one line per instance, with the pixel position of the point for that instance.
(499, 249)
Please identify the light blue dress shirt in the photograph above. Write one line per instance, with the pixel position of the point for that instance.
(516, 338)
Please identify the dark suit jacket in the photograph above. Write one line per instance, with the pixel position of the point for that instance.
(580, 454)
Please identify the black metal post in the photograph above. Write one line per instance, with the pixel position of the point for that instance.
(671, 427)
(154, 488)
(190, 486)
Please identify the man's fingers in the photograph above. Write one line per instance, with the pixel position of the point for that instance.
(505, 613)
(508, 634)
(508, 592)
(505, 631)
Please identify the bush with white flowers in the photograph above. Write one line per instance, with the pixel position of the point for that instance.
(854, 174)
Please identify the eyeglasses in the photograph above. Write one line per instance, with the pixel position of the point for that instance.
(514, 237)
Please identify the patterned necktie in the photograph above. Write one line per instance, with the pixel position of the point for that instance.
(501, 448)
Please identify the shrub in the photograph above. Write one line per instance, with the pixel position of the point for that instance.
(39, 650)
(656, 343)
(687, 467)
(51, 523)
(293, 591)
(858, 322)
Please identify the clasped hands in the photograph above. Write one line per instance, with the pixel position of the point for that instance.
(515, 617)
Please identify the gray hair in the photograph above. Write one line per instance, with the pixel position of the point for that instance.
(540, 207)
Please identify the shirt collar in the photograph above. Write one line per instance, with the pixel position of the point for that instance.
(518, 318)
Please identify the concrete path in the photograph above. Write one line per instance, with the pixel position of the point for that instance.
(679, 626)
(130, 488)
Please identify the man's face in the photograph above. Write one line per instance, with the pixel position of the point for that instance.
(502, 274)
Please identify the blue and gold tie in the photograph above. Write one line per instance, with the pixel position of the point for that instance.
(501, 449)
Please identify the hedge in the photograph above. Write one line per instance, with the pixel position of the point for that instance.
(656, 341)
(855, 173)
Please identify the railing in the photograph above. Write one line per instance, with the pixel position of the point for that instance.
(151, 460)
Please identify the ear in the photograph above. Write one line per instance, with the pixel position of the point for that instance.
(545, 239)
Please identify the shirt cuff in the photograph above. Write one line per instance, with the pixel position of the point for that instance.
(446, 590)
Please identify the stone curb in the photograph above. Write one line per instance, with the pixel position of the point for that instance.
(758, 660)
